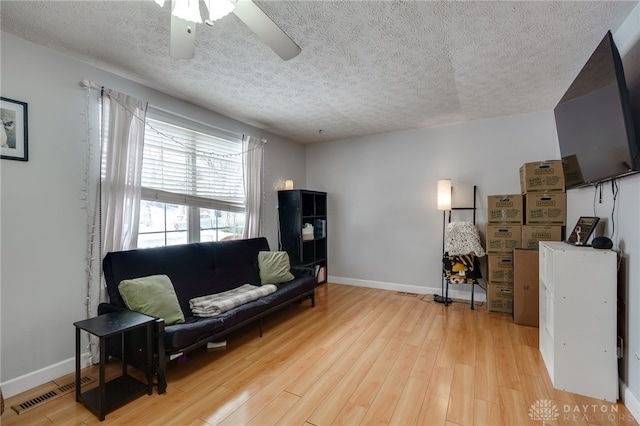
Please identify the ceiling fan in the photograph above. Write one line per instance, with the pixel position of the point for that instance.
(186, 13)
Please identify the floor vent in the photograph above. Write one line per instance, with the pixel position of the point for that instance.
(404, 293)
(49, 395)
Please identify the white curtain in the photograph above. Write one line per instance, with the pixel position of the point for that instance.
(252, 171)
(122, 143)
(114, 167)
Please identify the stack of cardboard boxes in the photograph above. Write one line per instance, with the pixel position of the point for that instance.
(516, 224)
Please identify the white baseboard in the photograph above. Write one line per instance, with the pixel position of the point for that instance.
(480, 295)
(36, 378)
(630, 401)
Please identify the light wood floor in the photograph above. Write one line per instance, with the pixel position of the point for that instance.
(361, 356)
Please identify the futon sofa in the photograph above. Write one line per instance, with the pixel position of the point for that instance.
(197, 270)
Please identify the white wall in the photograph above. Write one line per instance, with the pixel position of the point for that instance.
(383, 228)
(43, 224)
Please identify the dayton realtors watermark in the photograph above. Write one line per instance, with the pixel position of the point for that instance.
(546, 410)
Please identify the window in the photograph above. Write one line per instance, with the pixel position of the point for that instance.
(192, 183)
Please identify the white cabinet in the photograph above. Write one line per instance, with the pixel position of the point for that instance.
(578, 319)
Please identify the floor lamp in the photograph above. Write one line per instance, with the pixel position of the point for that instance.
(444, 204)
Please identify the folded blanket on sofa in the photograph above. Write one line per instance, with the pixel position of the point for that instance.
(215, 304)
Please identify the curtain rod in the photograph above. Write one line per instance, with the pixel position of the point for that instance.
(88, 84)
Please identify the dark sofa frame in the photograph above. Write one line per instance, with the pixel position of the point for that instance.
(195, 270)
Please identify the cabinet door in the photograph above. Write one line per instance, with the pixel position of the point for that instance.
(546, 308)
(585, 323)
(578, 319)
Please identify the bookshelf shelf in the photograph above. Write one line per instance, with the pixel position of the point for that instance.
(296, 208)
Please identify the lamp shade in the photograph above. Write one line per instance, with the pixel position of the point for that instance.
(444, 194)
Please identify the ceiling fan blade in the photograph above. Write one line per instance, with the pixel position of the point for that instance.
(266, 29)
(183, 38)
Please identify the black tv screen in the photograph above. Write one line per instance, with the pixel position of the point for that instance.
(594, 121)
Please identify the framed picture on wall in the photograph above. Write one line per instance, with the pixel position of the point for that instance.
(14, 136)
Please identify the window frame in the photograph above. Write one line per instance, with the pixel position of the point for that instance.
(193, 203)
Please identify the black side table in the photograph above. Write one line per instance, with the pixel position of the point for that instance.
(108, 396)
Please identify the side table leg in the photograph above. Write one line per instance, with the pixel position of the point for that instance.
(77, 364)
(103, 356)
(162, 381)
(149, 359)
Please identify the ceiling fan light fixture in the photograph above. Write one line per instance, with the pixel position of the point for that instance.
(189, 10)
(218, 9)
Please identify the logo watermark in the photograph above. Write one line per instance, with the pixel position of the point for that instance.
(543, 410)
(546, 410)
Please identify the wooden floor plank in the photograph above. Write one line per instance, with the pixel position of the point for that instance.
(333, 404)
(486, 413)
(436, 399)
(506, 365)
(375, 375)
(361, 356)
(351, 414)
(383, 406)
(410, 402)
(486, 379)
(423, 366)
(513, 408)
(312, 399)
(461, 397)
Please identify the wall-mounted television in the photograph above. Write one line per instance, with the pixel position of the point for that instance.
(594, 122)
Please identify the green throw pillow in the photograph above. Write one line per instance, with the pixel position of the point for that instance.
(274, 267)
(153, 295)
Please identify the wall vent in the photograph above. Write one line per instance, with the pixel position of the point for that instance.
(404, 293)
(49, 395)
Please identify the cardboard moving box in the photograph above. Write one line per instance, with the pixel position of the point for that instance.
(500, 268)
(545, 209)
(505, 209)
(525, 287)
(503, 238)
(500, 298)
(542, 176)
(533, 234)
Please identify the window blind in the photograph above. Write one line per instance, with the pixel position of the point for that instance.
(186, 164)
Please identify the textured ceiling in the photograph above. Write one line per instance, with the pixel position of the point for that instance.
(366, 67)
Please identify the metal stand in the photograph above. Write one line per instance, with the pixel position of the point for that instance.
(445, 283)
(445, 298)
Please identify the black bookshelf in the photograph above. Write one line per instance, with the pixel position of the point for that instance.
(296, 208)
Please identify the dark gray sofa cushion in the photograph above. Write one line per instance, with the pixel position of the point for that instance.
(202, 329)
